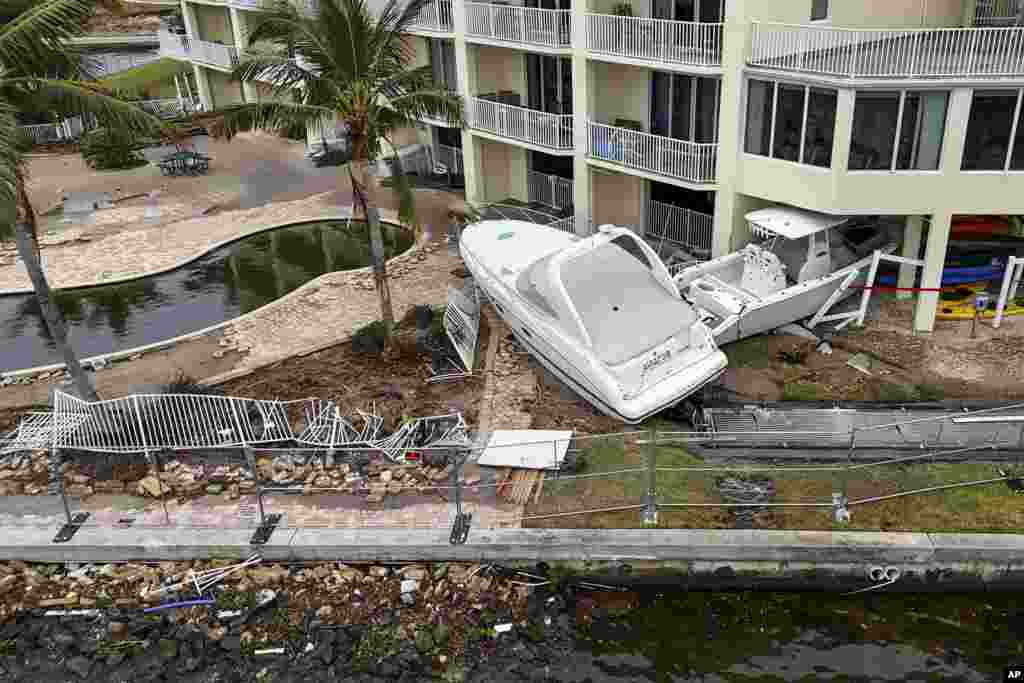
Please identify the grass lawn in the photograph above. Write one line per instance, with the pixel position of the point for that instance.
(156, 78)
(982, 508)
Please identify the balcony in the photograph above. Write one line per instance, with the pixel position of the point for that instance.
(435, 120)
(693, 162)
(547, 28)
(943, 53)
(435, 17)
(202, 51)
(552, 131)
(686, 43)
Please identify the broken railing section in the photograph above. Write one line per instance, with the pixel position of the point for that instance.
(462, 325)
(151, 423)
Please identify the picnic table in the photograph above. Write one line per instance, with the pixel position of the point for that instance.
(185, 162)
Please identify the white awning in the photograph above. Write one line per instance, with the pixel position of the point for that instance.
(790, 222)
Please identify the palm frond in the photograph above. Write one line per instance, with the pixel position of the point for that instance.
(228, 122)
(35, 40)
(76, 97)
(10, 170)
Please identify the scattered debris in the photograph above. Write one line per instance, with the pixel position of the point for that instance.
(861, 362)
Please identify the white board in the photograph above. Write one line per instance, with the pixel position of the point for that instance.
(534, 449)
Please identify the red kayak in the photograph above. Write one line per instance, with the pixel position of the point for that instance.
(968, 227)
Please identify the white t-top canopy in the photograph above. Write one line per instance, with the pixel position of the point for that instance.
(790, 222)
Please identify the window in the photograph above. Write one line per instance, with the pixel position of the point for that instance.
(988, 145)
(898, 131)
(684, 107)
(549, 83)
(789, 116)
(759, 117)
(922, 127)
(791, 122)
(821, 122)
(630, 246)
(819, 10)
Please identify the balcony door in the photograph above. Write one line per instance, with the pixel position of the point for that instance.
(549, 83)
(709, 11)
(442, 63)
(684, 107)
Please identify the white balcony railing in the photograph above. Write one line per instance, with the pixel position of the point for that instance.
(435, 17)
(547, 27)
(548, 189)
(690, 161)
(565, 225)
(183, 47)
(885, 53)
(451, 159)
(676, 42)
(686, 228)
(167, 108)
(519, 123)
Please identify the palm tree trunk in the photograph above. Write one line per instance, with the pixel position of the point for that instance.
(28, 249)
(364, 191)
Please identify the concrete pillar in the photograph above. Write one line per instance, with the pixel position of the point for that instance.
(911, 249)
(240, 31)
(934, 262)
(843, 135)
(582, 105)
(518, 163)
(205, 92)
(177, 90)
(938, 230)
(730, 124)
(465, 75)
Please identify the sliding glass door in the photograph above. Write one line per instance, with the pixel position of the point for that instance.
(684, 107)
(549, 83)
(710, 11)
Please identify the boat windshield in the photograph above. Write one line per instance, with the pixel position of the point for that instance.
(533, 286)
(625, 309)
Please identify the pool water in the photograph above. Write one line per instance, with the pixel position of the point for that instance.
(225, 283)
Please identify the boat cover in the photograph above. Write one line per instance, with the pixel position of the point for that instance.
(625, 309)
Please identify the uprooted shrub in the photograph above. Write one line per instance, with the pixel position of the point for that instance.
(183, 383)
(111, 148)
(370, 338)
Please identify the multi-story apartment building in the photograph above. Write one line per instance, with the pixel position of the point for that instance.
(685, 115)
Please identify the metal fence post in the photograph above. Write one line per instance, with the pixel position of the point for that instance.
(55, 457)
(250, 460)
(1020, 447)
(650, 513)
(158, 459)
(841, 512)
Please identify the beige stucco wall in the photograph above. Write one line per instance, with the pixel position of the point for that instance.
(214, 24)
(882, 192)
(850, 13)
(224, 91)
(500, 69)
(620, 91)
(616, 198)
(419, 47)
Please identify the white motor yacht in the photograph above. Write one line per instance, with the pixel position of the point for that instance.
(601, 313)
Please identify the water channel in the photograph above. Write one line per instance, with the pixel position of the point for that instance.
(807, 637)
(223, 284)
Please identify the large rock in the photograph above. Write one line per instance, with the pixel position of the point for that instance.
(151, 486)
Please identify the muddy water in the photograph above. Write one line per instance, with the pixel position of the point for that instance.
(799, 637)
(235, 279)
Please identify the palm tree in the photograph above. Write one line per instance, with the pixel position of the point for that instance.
(39, 71)
(346, 63)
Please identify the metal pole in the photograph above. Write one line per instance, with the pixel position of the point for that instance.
(55, 456)
(1020, 447)
(160, 482)
(650, 513)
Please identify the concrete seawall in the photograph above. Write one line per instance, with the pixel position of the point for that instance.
(692, 559)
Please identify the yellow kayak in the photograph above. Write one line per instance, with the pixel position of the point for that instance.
(956, 302)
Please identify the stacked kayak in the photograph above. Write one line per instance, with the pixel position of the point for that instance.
(987, 227)
(963, 269)
(957, 303)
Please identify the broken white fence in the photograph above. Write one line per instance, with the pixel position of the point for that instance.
(822, 316)
(153, 422)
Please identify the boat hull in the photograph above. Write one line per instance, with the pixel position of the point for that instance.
(564, 358)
